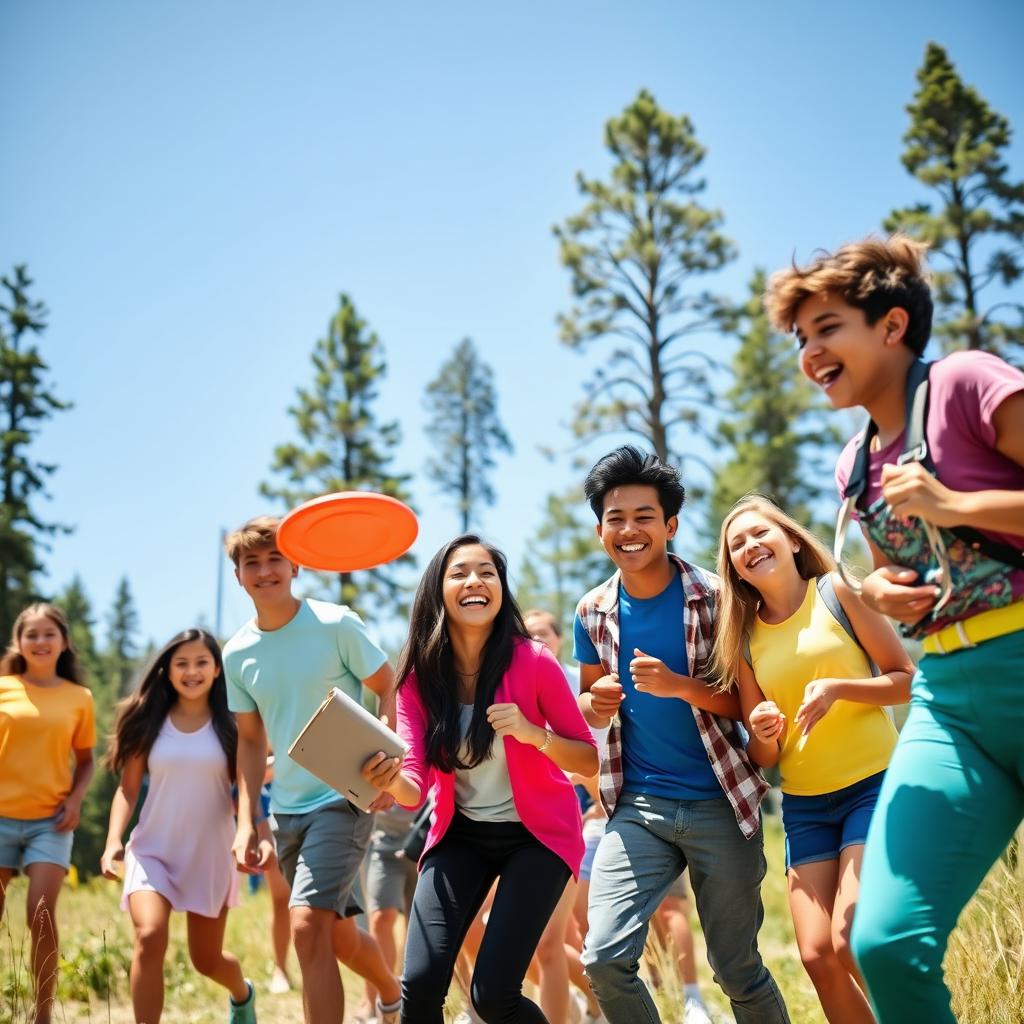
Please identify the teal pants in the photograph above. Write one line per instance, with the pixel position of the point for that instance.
(951, 799)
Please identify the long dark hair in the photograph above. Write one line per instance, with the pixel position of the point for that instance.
(141, 715)
(13, 661)
(428, 653)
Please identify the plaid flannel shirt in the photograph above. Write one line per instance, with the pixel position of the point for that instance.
(742, 783)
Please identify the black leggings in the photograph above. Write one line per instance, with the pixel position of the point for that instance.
(454, 881)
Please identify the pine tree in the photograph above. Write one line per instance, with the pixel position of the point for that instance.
(465, 430)
(121, 657)
(342, 445)
(26, 401)
(638, 252)
(777, 437)
(957, 147)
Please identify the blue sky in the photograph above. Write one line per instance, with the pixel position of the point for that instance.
(193, 184)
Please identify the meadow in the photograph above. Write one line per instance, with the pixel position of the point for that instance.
(985, 963)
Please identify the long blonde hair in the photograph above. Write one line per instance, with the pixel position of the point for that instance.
(738, 601)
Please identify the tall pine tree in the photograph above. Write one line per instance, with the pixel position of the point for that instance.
(639, 252)
(26, 401)
(776, 435)
(957, 147)
(342, 445)
(465, 431)
(121, 657)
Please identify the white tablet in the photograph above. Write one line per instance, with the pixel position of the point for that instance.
(338, 740)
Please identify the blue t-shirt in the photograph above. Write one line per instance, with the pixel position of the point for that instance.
(662, 752)
(286, 673)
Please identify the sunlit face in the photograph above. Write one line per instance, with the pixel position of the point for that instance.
(840, 352)
(541, 628)
(758, 547)
(192, 670)
(633, 529)
(471, 588)
(265, 574)
(41, 642)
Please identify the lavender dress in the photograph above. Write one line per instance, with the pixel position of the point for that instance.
(181, 847)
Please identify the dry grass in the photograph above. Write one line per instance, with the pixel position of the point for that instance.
(985, 963)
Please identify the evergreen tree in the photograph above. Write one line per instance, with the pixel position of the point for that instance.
(567, 559)
(26, 401)
(121, 657)
(465, 430)
(777, 438)
(957, 146)
(342, 445)
(638, 252)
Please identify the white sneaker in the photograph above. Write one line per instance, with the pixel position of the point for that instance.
(695, 1012)
(279, 983)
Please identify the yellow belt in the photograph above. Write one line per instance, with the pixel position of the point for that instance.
(971, 632)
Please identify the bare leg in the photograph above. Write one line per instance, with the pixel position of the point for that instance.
(280, 927)
(206, 948)
(151, 915)
(552, 960)
(323, 998)
(842, 910)
(359, 951)
(812, 891)
(44, 884)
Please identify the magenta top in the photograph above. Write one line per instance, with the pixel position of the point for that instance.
(544, 797)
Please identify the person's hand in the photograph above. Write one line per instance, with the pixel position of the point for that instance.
(508, 720)
(68, 815)
(606, 695)
(653, 676)
(819, 696)
(889, 590)
(381, 771)
(112, 862)
(767, 721)
(910, 490)
(247, 856)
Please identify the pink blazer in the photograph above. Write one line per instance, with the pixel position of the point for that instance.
(545, 799)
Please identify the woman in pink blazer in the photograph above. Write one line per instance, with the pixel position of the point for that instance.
(492, 729)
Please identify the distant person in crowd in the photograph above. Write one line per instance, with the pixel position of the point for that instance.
(278, 666)
(177, 729)
(937, 483)
(47, 732)
(676, 780)
(492, 729)
(800, 647)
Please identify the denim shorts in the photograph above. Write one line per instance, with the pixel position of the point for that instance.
(819, 827)
(33, 842)
(320, 853)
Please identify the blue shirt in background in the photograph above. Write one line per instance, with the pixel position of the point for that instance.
(662, 752)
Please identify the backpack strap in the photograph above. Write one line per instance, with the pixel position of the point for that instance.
(827, 590)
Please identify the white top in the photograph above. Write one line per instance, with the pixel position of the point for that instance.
(484, 792)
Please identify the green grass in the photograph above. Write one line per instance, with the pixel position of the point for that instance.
(985, 963)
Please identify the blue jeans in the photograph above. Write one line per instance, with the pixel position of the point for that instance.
(648, 842)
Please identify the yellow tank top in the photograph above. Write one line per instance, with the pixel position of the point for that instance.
(852, 741)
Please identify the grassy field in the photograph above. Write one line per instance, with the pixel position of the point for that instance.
(985, 961)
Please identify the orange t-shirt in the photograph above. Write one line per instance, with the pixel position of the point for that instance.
(40, 726)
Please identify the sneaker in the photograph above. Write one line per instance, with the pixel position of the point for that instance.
(243, 1013)
(279, 983)
(389, 1016)
(695, 1012)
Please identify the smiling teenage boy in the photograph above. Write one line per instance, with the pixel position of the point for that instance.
(675, 778)
(278, 667)
(954, 790)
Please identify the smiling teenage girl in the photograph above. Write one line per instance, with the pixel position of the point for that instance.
(46, 721)
(801, 670)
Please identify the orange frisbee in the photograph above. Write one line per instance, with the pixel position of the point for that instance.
(347, 531)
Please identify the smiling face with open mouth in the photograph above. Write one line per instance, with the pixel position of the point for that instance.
(633, 528)
(759, 547)
(192, 670)
(472, 587)
(266, 575)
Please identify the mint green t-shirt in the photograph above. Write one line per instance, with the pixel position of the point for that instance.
(286, 673)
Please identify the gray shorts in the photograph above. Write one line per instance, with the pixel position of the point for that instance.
(33, 841)
(320, 853)
(390, 879)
